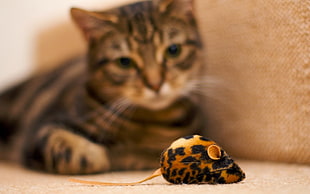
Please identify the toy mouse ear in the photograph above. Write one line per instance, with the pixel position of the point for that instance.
(92, 23)
(214, 152)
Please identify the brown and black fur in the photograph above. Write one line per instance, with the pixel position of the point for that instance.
(92, 114)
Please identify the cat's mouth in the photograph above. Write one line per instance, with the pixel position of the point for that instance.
(153, 100)
(158, 101)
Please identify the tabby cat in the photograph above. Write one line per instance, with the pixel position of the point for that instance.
(117, 108)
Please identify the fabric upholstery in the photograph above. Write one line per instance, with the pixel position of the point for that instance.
(258, 52)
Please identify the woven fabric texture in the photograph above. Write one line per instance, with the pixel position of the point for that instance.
(257, 54)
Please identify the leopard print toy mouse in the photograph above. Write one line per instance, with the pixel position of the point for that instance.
(196, 159)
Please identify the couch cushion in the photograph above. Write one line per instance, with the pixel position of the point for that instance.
(258, 52)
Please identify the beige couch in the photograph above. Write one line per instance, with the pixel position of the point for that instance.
(258, 104)
(259, 51)
(262, 177)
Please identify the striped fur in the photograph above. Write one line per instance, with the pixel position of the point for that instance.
(120, 106)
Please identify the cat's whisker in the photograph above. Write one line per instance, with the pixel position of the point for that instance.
(116, 108)
(207, 86)
(130, 109)
(105, 115)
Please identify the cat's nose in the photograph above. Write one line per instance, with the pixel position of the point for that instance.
(156, 87)
(153, 79)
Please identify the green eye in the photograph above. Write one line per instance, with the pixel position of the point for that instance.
(125, 62)
(173, 51)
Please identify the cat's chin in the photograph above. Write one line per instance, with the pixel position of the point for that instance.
(156, 104)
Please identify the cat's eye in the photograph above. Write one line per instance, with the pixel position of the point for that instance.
(102, 62)
(125, 62)
(173, 51)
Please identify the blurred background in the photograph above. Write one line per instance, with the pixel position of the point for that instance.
(38, 34)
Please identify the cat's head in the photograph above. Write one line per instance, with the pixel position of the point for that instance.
(146, 52)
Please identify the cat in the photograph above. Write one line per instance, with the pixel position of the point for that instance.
(118, 107)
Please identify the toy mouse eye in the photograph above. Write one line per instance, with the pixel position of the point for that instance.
(125, 62)
(173, 51)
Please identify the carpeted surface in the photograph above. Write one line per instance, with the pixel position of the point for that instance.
(261, 178)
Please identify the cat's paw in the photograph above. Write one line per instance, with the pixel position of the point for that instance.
(68, 153)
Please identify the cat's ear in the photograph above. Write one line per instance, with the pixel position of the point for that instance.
(92, 23)
(184, 7)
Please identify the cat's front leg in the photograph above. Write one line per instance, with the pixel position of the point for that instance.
(58, 150)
